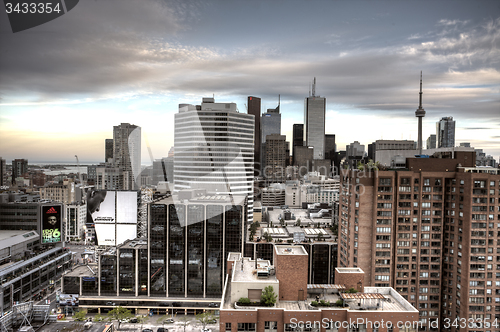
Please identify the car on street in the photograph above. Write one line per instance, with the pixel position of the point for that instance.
(147, 330)
(212, 321)
(162, 329)
(206, 330)
(133, 320)
(169, 320)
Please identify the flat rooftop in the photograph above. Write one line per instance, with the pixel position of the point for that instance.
(83, 271)
(290, 250)
(249, 272)
(382, 299)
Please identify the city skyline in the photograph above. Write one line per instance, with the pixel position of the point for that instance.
(65, 84)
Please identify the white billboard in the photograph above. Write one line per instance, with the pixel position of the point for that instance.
(106, 211)
(126, 207)
(115, 218)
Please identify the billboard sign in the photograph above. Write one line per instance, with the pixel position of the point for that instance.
(51, 224)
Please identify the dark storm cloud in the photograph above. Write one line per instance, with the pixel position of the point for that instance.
(108, 48)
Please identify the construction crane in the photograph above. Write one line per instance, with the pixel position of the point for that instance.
(79, 174)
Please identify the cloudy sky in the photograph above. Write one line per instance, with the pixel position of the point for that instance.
(64, 84)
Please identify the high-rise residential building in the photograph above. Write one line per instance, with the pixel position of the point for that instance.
(112, 178)
(19, 167)
(127, 152)
(445, 132)
(108, 150)
(314, 123)
(329, 146)
(254, 108)
(275, 161)
(429, 231)
(431, 142)
(298, 138)
(76, 217)
(3, 172)
(214, 150)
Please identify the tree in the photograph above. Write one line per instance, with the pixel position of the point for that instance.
(79, 316)
(205, 318)
(99, 318)
(119, 314)
(320, 236)
(298, 222)
(184, 321)
(141, 320)
(162, 320)
(267, 237)
(268, 297)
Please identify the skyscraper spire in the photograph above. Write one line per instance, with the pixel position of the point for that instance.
(314, 88)
(420, 101)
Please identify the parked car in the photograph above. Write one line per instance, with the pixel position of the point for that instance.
(162, 329)
(213, 305)
(206, 330)
(169, 320)
(147, 330)
(133, 320)
(212, 321)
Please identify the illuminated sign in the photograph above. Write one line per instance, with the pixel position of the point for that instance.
(51, 224)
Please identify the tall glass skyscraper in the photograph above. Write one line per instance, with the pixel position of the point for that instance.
(445, 132)
(127, 152)
(214, 150)
(314, 123)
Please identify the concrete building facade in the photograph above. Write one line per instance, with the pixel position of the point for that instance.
(214, 150)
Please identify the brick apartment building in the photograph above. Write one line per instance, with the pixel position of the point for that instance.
(431, 231)
(293, 311)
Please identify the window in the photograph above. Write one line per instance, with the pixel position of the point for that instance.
(228, 327)
(270, 326)
(246, 327)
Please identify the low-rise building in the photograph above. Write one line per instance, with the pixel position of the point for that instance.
(301, 306)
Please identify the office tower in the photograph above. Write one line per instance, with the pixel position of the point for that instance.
(19, 167)
(430, 231)
(3, 172)
(420, 113)
(111, 178)
(314, 123)
(127, 152)
(214, 149)
(354, 153)
(254, 108)
(270, 124)
(108, 153)
(275, 158)
(329, 146)
(431, 142)
(298, 138)
(445, 132)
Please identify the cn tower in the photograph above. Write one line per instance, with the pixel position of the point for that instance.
(420, 113)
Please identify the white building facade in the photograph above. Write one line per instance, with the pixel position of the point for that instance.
(214, 150)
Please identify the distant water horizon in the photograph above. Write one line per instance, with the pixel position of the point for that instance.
(67, 163)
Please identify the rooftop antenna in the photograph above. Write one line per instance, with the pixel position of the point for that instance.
(309, 89)
(314, 88)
